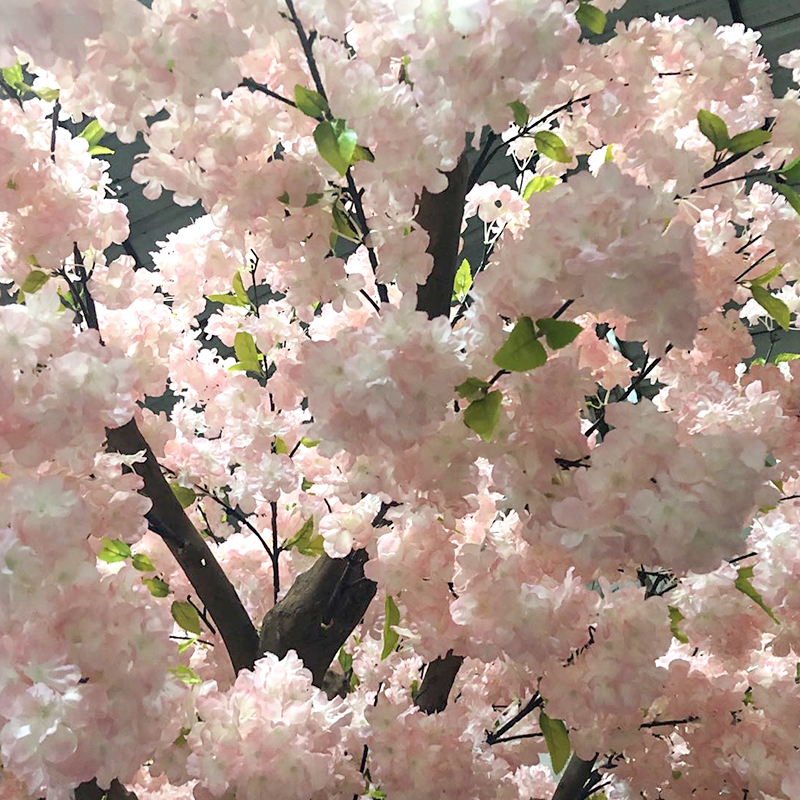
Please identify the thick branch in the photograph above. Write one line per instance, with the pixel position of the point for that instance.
(572, 783)
(437, 683)
(91, 791)
(440, 215)
(210, 582)
(319, 612)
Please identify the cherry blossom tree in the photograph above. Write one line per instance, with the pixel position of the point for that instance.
(418, 523)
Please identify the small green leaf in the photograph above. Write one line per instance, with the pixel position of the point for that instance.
(745, 142)
(93, 133)
(305, 541)
(305, 484)
(790, 194)
(184, 494)
(462, 282)
(714, 129)
(284, 198)
(557, 740)
(99, 150)
(239, 290)
(592, 18)
(34, 281)
(558, 333)
(157, 587)
(14, 78)
(609, 154)
(783, 357)
(774, 306)
(246, 351)
(311, 103)
(306, 442)
(341, 223)
(312, 199)
(113, 551)
(539, 183)
(551, 145)
(520, 112)
(345, 660)
(143, 563)
(226, 299)
(472, 388)
(362, 154)
(391, 617)
(742, 583)
(763, 280)
(758, 362)
(336, 143)
(47, 94)
(186, 674)
(483, 414)
(185, 614)
(181, 738)
(675, 619)
(522, 350)
(280, 446)
(791, 172)
(184, 646)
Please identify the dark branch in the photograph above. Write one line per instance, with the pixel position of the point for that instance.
(169, 520)
(437, 683)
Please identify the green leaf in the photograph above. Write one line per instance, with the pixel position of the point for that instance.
(714, 129)
(181, 738)
(558, 333)
(284, 198)
(763, 280)
(186, 674)
(14, 78)
(311, 103)
(758, 362)
(304, 540)
(93, 133)
(462, 282)
(539, 183)
(312, 199)
(745, 142)
(391, 616)
(609, 154)
(184, 646)
(774, 306)
(185, 614)
(557, 740)
(34, 281)
(113, 551)
(782, 357)
(185, 495)
(361, 154)
(675, 619)
(472, 388)
(157, 587)
(345, 660)
(742, 583)
(239, 290)
(482, 415)
(520, 112)
(522, 350)
(551, 145)
(99, 150)
(341, 223)
(592, 18)
(244, 345)
(280, 446)
(306, 442)
(143, 563)
(336, 143)
(791, 172)
(305, 484)
(790, 194)
(47, 94)
(226, 299)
